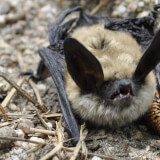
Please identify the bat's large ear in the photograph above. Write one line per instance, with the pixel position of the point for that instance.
(83, 67)
(148, 61)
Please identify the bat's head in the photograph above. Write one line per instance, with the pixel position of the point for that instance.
(108, 81)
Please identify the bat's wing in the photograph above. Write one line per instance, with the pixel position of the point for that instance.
(53, 59)
(142, 29)
(49, 58)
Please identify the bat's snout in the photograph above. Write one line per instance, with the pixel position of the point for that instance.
(124, 90)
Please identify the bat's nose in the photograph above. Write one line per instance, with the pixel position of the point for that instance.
(125, 87)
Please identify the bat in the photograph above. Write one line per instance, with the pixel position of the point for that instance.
(102, 67)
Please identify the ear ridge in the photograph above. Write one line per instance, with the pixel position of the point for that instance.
(82, 65)
(149, 60)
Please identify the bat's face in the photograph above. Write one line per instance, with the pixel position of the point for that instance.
(107, 81)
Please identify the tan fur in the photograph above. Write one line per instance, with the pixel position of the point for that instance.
(118, 54)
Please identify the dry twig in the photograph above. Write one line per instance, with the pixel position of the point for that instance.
(83, 134)
(34, 149)
(7, 123)
(60, 132)
(23, 92)
(99, 6)
(32, 84)
(91, 154)
(3, 113)
(35, 130)
(42, 120)
(11, 93)
(21, 139)
(53, 152)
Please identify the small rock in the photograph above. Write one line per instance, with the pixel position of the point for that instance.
(137, 135)
(18, 143)
(2, 19)
(9, 132)
(42, 88)
(111, 139)
(141, 4)
(13, 107)
(49, 124)
(94, 145)
(121, 9)
(96, 158)
(25, 125)
(25, 145)
(111, 149)
(4, 8)
(148, 148)
(143, 14)
(20, 133)
(31, 145)
(146, 1)
(28, 122)
(17, 151)
(15, 157)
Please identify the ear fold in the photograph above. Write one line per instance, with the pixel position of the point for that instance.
(83, 67)
(148, 61)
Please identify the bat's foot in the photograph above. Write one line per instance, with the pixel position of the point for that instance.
(31, 75)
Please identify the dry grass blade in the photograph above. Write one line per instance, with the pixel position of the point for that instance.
(52, 115)
(52, 152)
(34, 149)
(91, 154)
(11, 93)
(7, 123)
(23, 92)
(83, 134)
(35, 130)
(32, 84)
(42, 121)
(99, 6)
(60, 132)
(21, 139)
(3, 113)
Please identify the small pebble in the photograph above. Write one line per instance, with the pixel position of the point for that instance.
(9, 132)
(136, 135)
(17, 151)
(15, 157)
(31, 145)
(141, 4)
(13, 107)
(25, 145)
(4, 8)
(18, 143)
(96, 158)
(20, 133)
(49, 124)
(2, 19)
(28, 122)
(42, 88)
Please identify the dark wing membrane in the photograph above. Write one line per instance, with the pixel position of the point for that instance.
(50, 61)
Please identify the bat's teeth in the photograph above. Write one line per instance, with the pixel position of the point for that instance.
(119, 94)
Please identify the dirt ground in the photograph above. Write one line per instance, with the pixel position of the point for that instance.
(23, 29)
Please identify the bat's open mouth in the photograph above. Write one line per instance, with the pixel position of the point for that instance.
(122, 93)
